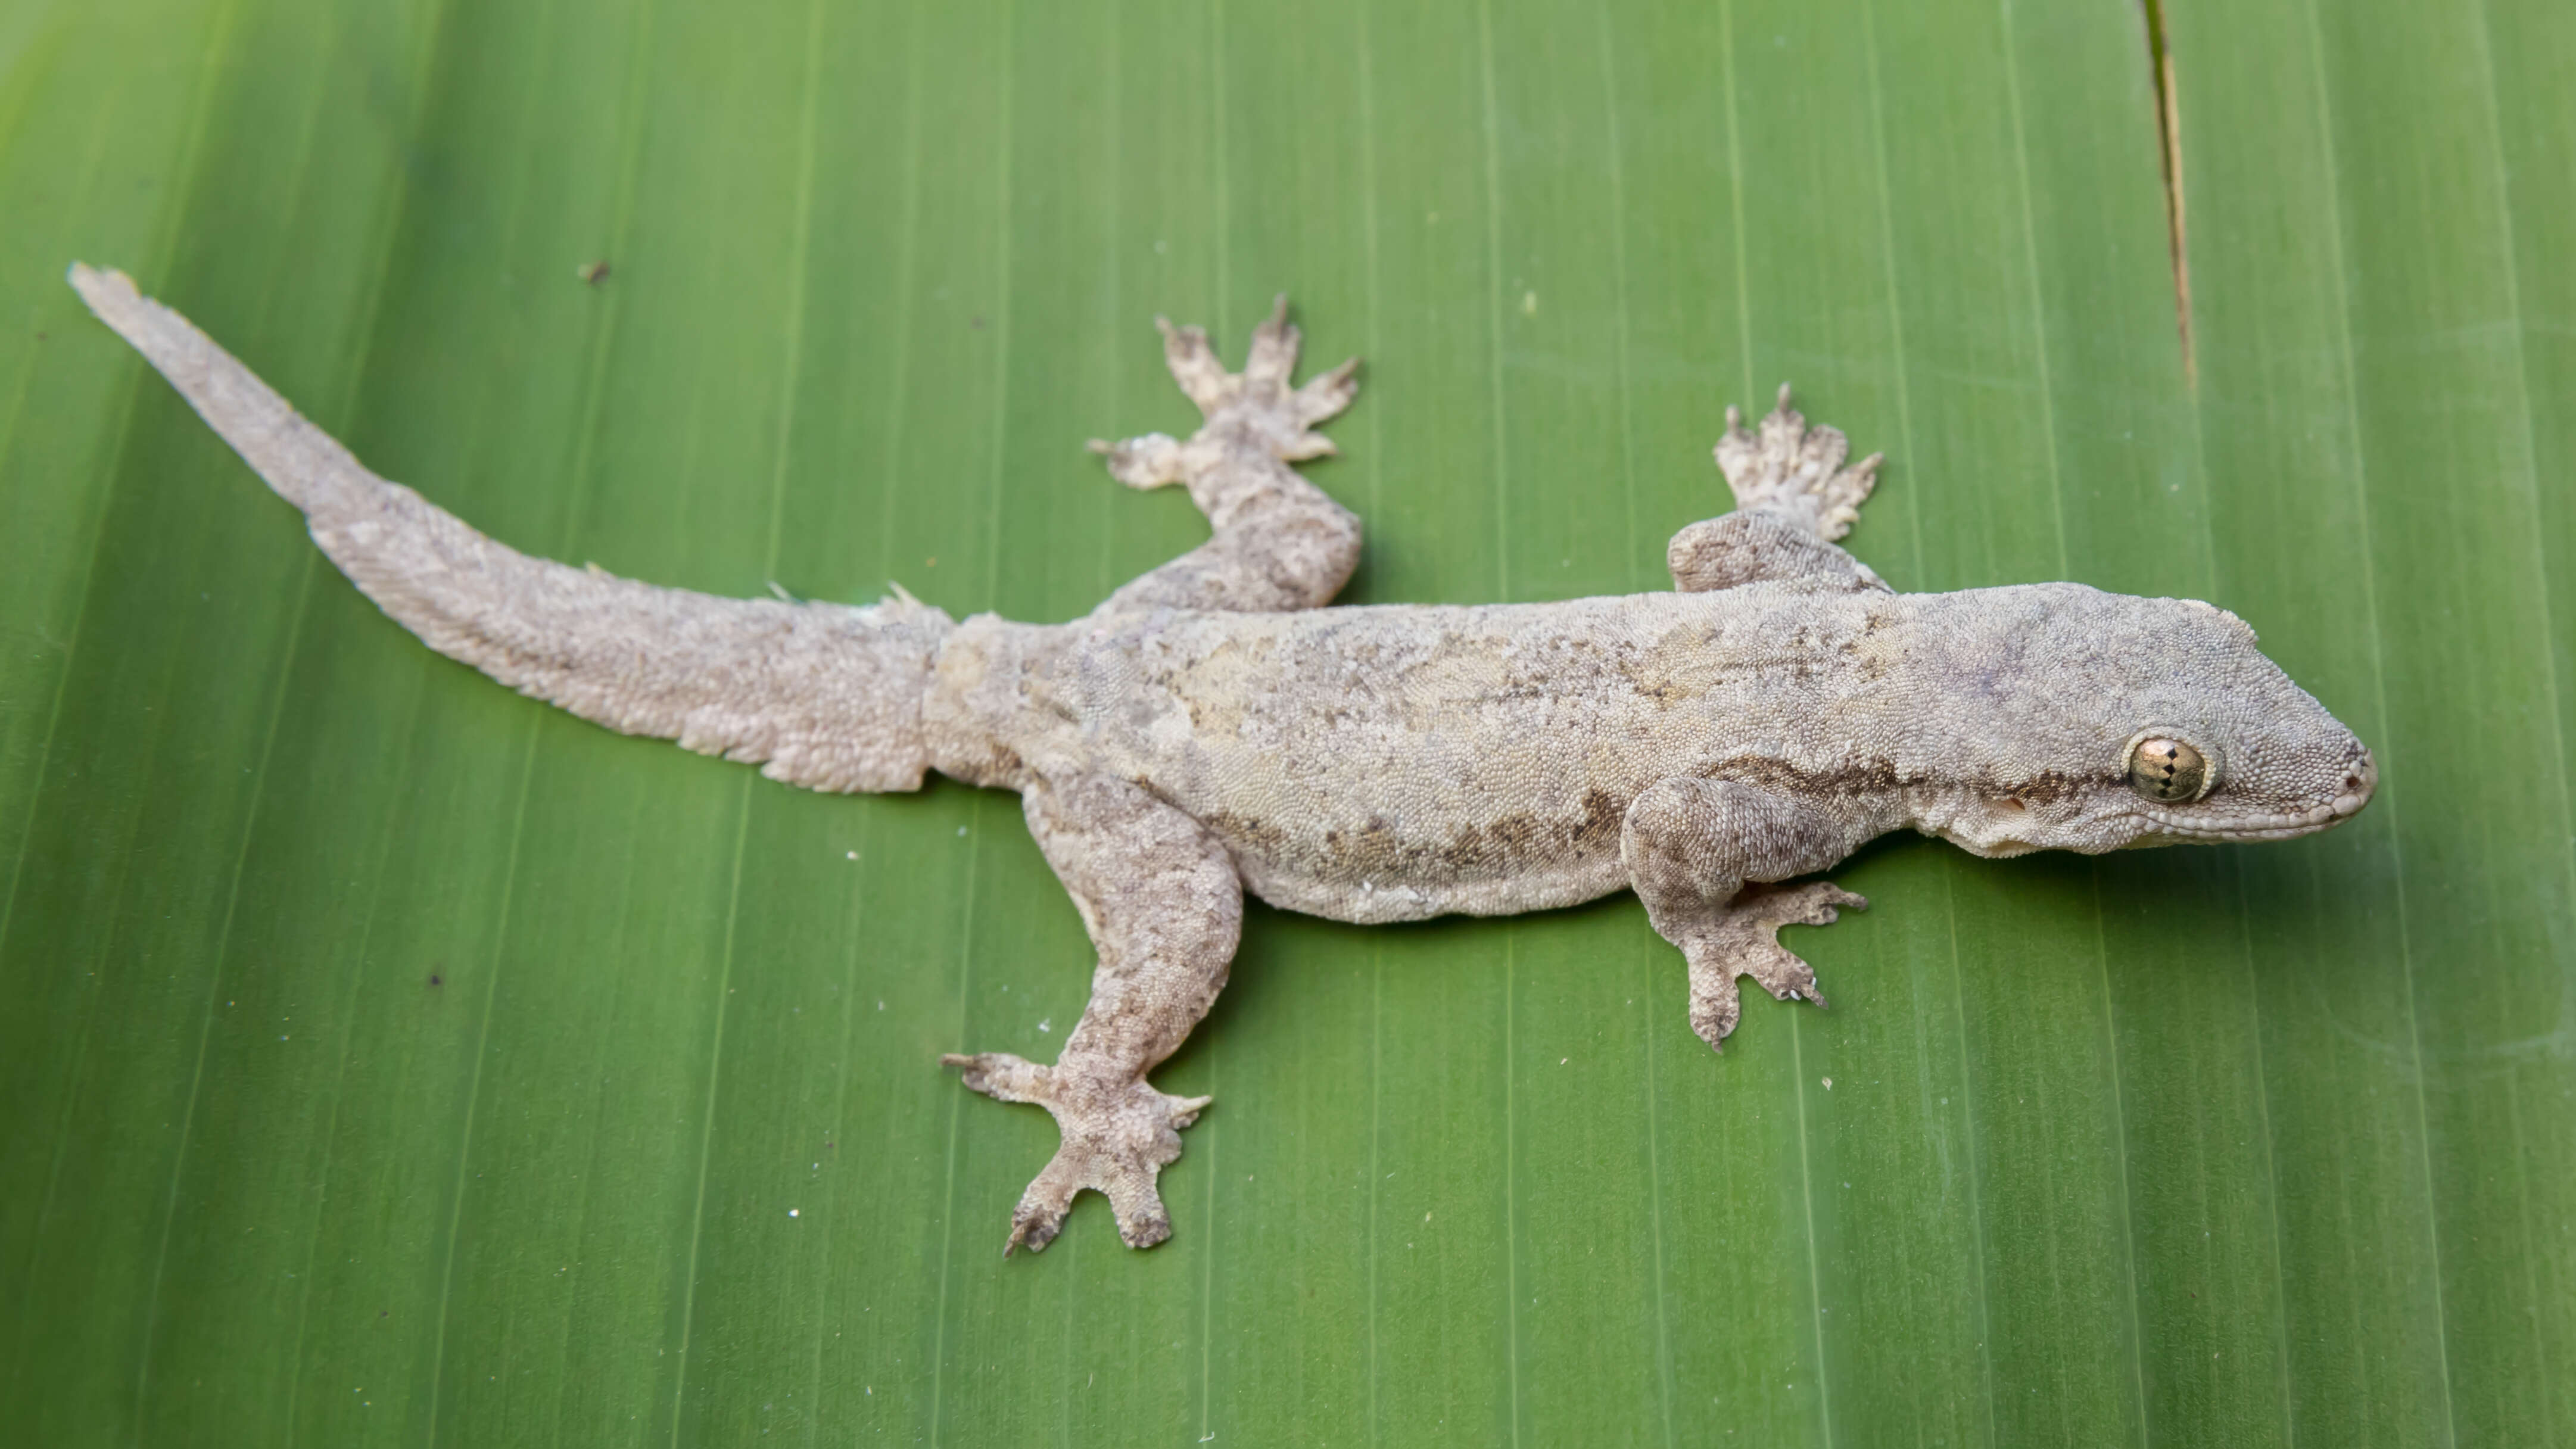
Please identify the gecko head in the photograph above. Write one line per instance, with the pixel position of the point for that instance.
(2100, 721)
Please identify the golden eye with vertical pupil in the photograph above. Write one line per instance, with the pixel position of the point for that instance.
(2166, 771)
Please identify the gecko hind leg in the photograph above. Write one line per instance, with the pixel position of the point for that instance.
(1279, 541)
(1793, 499)
(1259, 405)
(1164, 908)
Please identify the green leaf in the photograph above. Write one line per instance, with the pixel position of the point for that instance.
(387, 1058)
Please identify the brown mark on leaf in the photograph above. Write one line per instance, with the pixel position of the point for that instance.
(2169, 149)
(592, 273)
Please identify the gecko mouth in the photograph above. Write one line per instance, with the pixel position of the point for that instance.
(2359, 783)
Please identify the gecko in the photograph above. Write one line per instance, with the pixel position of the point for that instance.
(1216, 727)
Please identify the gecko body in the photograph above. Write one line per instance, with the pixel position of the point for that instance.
(1213, 728)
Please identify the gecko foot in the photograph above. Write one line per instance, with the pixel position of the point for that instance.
(1788, 467)
(1118, 1136)
(1258, 404)
(1744, 942)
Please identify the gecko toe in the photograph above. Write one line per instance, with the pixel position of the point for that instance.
(1001, 1075)
(1274, 348)
(1326, 394)
(1785, 976)
(1142, 1219)
(1714, 1007)
(1033, 1229)
(1144, 1229)
(1039, 1216)
(1816, 903)
(1194, 365)
(1154, 460)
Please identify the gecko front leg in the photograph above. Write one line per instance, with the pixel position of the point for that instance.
(1164, 907)
(1697, 852)
(1793, 500)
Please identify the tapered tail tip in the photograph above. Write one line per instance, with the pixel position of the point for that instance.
(93, 282)
(109, 292)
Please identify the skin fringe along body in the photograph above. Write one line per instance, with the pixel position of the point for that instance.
(1213, 727)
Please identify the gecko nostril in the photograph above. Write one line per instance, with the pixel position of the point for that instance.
(2359, 785)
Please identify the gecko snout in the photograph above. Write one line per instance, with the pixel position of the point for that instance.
(2358, 784)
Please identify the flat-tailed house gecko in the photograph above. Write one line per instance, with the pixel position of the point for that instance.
(1213, 728)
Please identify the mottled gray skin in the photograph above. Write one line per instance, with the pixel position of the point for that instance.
(1212, 728)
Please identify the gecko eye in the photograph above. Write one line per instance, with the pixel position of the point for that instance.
(2165, 770)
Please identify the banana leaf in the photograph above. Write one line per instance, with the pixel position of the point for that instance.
(386, 1058)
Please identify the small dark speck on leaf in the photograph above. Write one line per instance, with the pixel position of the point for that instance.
(975, 322)
(592, 272)
(434, 979)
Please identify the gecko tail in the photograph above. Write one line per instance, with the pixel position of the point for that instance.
(306, 465)
(826, 696)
